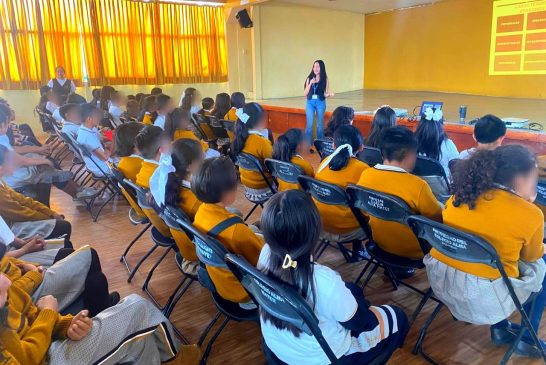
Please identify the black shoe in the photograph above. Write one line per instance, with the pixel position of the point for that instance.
(360, 255)
(114, 298)
(527, 350)
(401, 274)
(503, 336)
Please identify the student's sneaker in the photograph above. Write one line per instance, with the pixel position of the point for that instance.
(85, 193)
(187, 355)
(49, 175)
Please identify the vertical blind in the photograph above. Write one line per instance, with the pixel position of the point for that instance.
(111, 41)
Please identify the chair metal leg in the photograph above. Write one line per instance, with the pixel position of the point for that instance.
(420, 306)
(418, 348)
(208, 328)
(140, 262)
(370, 274)
(344, 251)
(251, 211)
(211, 342)
(173, 300)
(96, 217)
(322, 247)
(123, 256)
(149, 277)
(363, 272)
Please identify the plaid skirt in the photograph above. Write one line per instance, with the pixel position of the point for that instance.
(132, 332)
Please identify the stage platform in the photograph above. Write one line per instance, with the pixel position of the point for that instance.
(290, 112)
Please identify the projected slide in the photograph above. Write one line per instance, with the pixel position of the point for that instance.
(518, 38)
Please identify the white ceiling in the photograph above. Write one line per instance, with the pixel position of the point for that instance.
(361, 6)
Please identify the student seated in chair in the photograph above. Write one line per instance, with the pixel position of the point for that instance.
(164, 106)
(237, 102)
(177, 126)
(399, 149)
(207, 106)
(90, 138)
(489, 133)
(249, 139)
(342, 115)
(289, 148)
(342, 168)
(150, 143)
(493, 194)
(72, 119)
(133, 331)
(384, 118)
(129, 162)
(170, 186)
(355, 330)
(149, 110)
(215, 184)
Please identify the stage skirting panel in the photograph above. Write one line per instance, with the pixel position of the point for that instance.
(283, 118)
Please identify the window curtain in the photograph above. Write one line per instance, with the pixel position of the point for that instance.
(111, 41)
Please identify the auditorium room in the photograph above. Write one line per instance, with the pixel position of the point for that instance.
(279, 182)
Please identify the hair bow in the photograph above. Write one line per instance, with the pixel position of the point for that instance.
(243, 117)
(435, 115)
(289, 263)
(159, 178)
(327, 160)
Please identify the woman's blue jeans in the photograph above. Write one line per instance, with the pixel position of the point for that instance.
(319, 107)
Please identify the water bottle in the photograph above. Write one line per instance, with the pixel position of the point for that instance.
(462, 114)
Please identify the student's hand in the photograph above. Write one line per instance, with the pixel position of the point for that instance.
(80, 326)
(45, 149)
(34, 245)
(26, 267)
(48, 302)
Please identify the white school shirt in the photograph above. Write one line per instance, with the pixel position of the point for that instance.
(90, 138)
(160, 121)
(71, 129)
(4, 141)
(467, 153)
(61, 82)
(116, 113)
(334, 303)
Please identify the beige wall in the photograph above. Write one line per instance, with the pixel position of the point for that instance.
(288, 38)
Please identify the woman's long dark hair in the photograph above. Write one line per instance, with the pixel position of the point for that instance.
(430, 134)
(222, 105)
(187, 99)
(105, 96)
(485, 170)
(173, 121)
(346, 134)
(342, 115)
(291, 226)
(124, 138)
(286, 146)
(323, 75)
(255, 113)
(384, 118)
(184, 153)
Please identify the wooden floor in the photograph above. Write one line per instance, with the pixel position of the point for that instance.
(449, 342)
(369, 100)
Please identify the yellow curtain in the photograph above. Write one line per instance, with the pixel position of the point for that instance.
(112, 41)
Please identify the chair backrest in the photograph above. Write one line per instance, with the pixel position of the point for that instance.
(279, 300)
(285, 171)
(251, 163)
(371, 156)
(325, 147)
(541, 193)
(209, 250)
(216, 127)
(324, 192)
(171, 215)
(379, 205)
(454, 243)
(86, 153)
(429, 167)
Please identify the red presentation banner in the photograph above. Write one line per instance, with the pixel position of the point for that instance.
(509, 43)
(535, 42)
(507, 63)
(536, 20)
(510, 23)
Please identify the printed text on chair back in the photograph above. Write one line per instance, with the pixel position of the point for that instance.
(454, 243)
(379, 205)
(248, 162)
(324, 192)
(285, 171)
(325, 147)
(541, 193)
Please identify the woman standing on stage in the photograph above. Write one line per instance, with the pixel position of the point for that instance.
(316, 91)
(60, 84)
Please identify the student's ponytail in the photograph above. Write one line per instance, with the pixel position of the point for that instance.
(486, 170)
(345, 135)
(286, 146)
(184, 153)
(252, 114)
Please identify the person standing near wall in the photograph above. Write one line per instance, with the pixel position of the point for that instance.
(61, 84)
(316, 91)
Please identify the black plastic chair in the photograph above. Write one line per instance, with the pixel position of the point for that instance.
(541, 193)
(330, 194)
(211, 253)
(285, 171)
(251, 163)
(434, 174)
(279, 300)
(393, 209)
(325, 147)
(466, 247)
(371, 156)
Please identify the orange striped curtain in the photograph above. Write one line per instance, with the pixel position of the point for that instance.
(112, 41)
